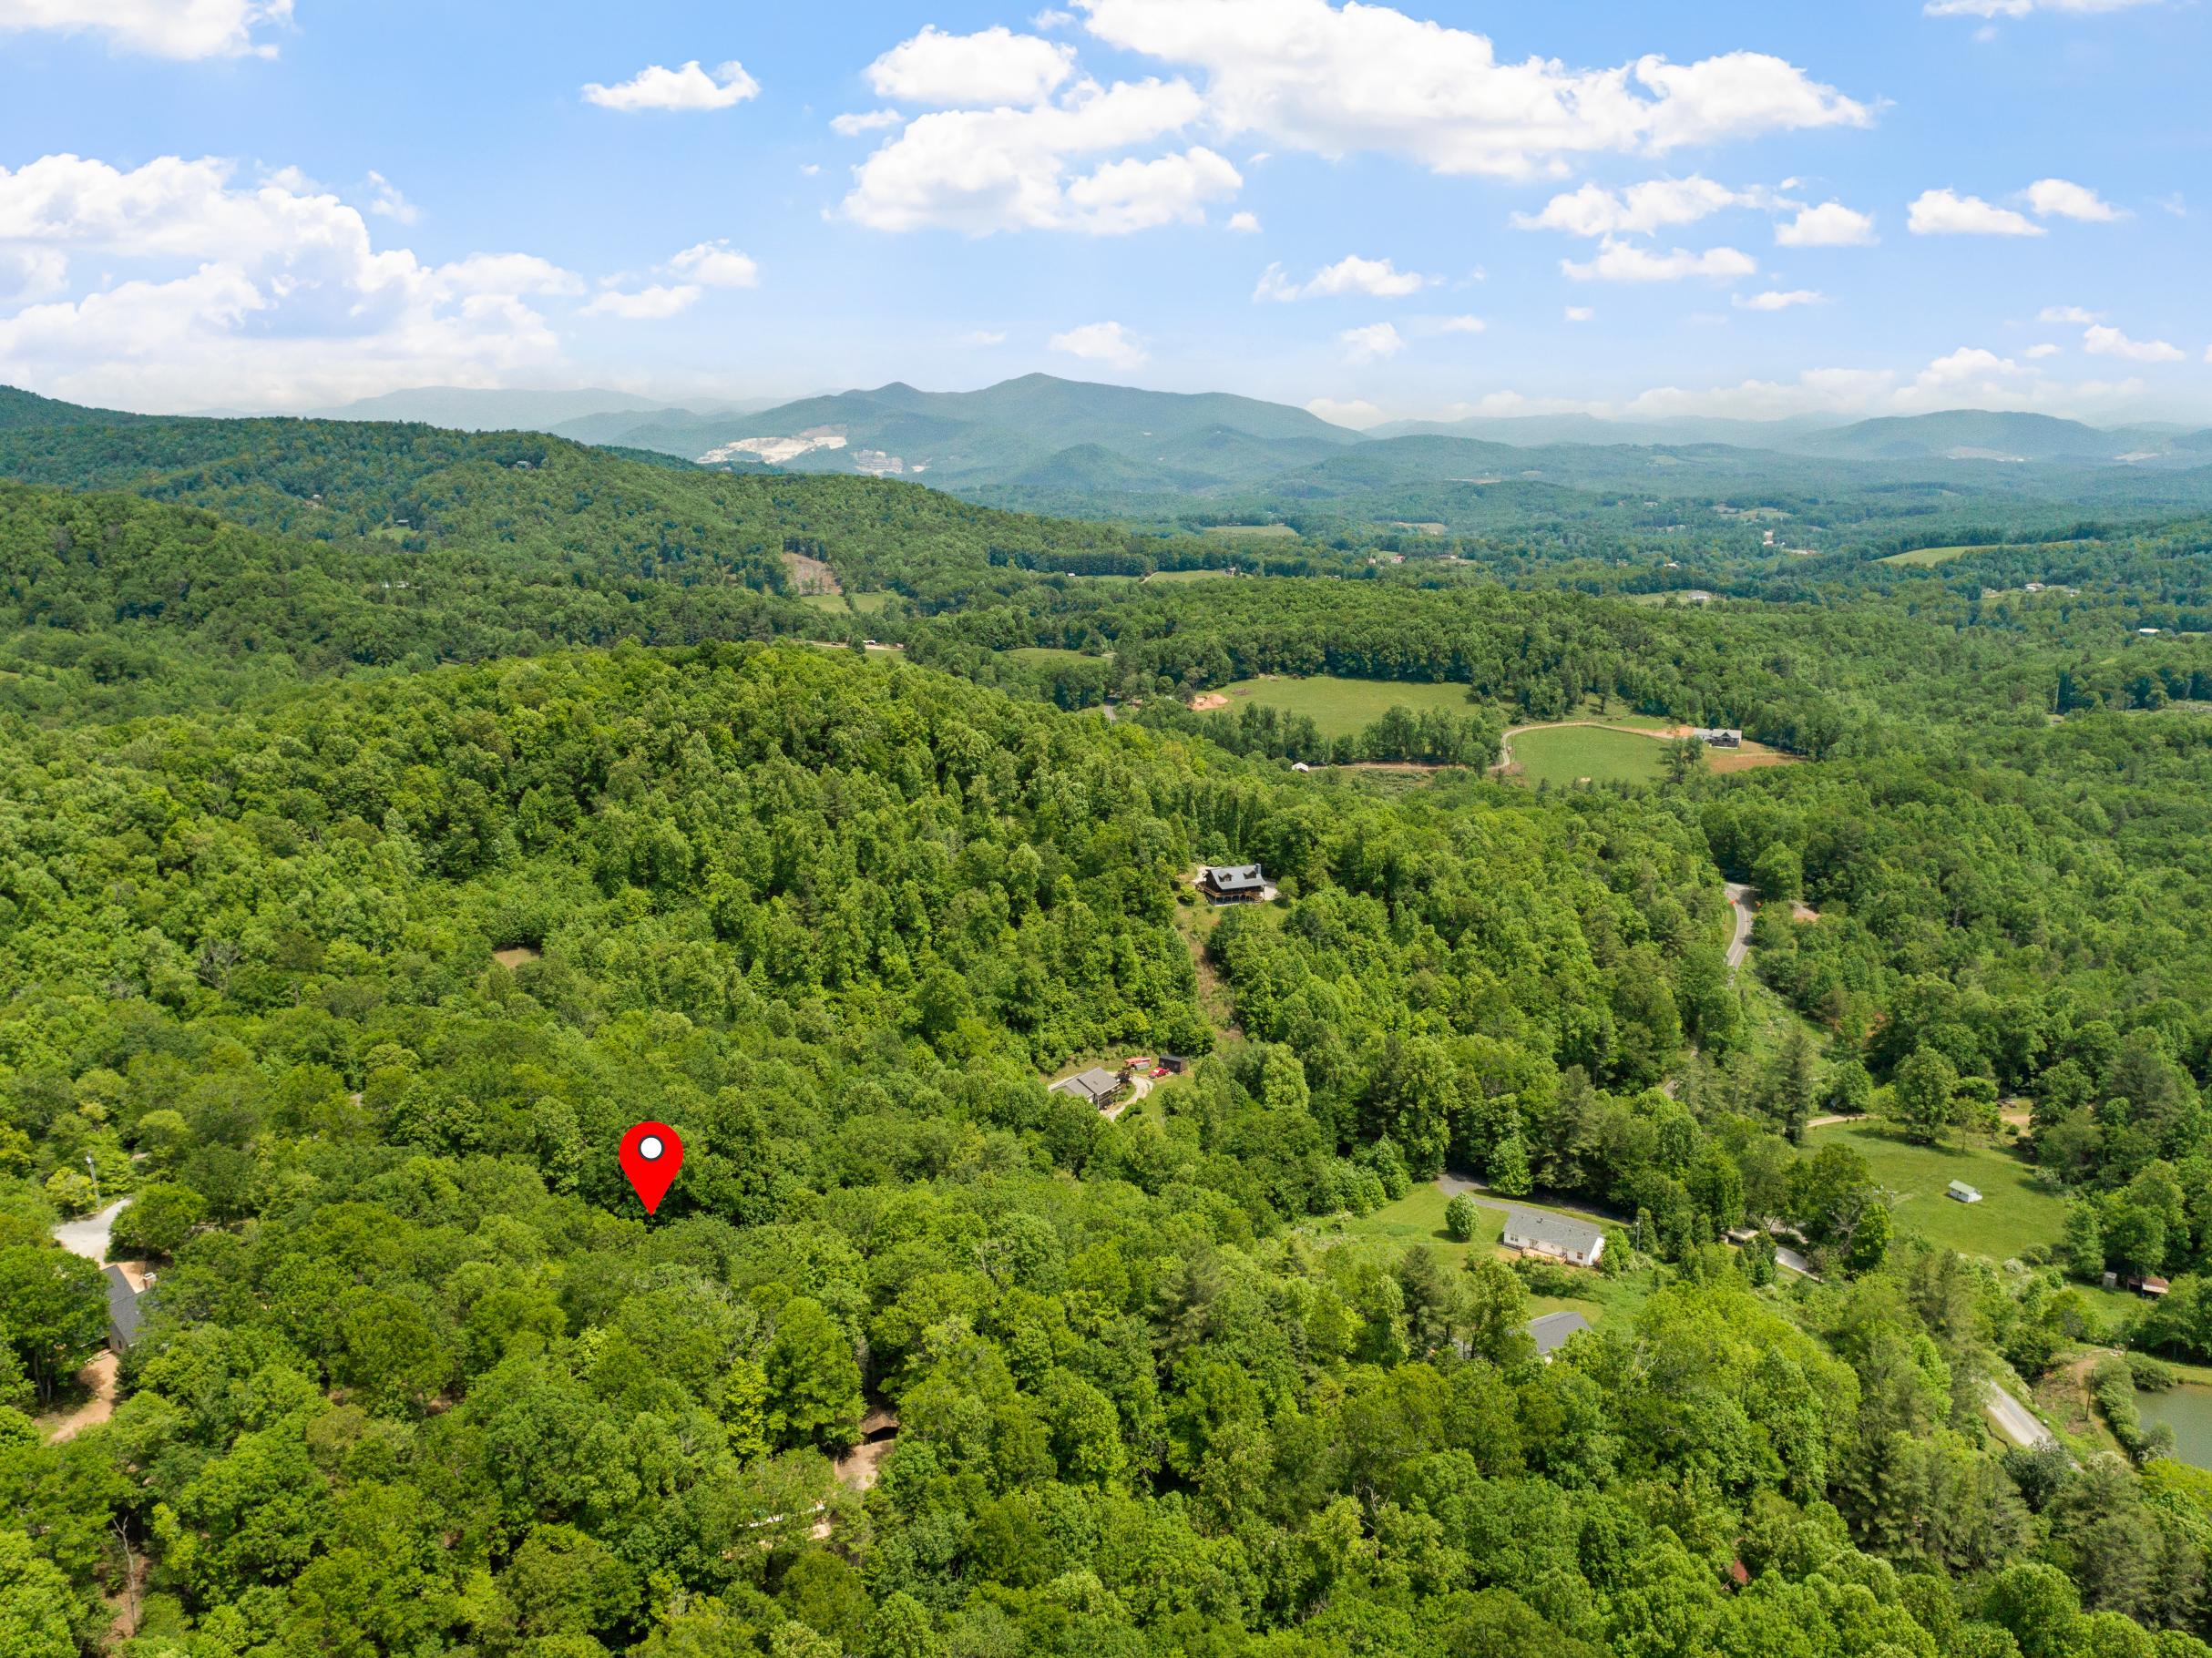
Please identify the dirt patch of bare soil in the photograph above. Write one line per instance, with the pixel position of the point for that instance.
(810, 575)
(1205, 703)
(515, 957)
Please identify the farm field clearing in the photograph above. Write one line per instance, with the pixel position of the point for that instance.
(1048, 656)
(1563, 755)
(1343, 707)
(2015, 1215)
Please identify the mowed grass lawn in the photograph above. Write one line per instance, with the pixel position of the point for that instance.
(1343, 707)
(1048, 656)
(1562, 755)
(2016, 1213)
(1419, 1218)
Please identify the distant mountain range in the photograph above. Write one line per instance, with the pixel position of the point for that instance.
(1041, 439)
(468, 409)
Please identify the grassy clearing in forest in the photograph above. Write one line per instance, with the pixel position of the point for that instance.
(1562, 755)
(1048, 656)
(1934, 554)
(1344, 708)
(2016, 1212)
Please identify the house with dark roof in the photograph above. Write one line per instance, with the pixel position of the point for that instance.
(1537, 1232)
(1719, 736)
(1552, 1331)
(1101, 1088)
(1233, 882)
(126, 1307)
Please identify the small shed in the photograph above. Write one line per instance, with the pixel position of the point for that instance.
(1174, 1064)
(2150, 1284)
(1964, 1193)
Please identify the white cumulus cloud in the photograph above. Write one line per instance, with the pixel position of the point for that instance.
(386, 202)
(992, 67)
(1593, 211)
(2036, 354)
(873, 120)
(985, 170)
(1372, 344)
(267, 292)
(159, 28)
(717, 264)
(2070, 314)
(2103, 341)
(1244, 224)
(1777, 299)
(1829, 225)
(1374, 278)
(1462, 325)
(690, 87)
(1336, 79)
(1579, 313)
(1947, 213)
(1620, 261)
(1107, 343)
(2058, 198)
(645, 304)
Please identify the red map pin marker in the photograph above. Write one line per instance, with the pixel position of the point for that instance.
(650, 1154)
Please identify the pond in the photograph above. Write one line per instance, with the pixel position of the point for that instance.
(2188, 1410)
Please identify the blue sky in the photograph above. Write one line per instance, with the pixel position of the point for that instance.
(1429, 210)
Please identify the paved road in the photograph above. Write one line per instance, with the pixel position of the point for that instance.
(1740, 900)
(2014, 1421)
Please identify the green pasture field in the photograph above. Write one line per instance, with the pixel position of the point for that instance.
(2017, 1212)
(1048, 656)
(1934, 554)
(1188, 574)
(1273, 532)
(1562, 755)
(1342, 707)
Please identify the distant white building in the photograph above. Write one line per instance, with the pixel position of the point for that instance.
(1719, 737)
(1964, 1193)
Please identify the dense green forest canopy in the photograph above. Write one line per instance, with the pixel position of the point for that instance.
(343, 927)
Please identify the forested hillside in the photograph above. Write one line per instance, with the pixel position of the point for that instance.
(362, 880)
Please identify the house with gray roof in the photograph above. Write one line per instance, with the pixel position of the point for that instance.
(126, 1307)
(1537, 1232)
(1233, 882)
(1552, 1331)
(1101, 1088)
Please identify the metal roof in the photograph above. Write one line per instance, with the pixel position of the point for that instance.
(1541, 1226)
(1552, 1330)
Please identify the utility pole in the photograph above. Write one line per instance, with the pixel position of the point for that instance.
(90, 1170)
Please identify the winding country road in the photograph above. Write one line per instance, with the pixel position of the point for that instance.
(1739, 947)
